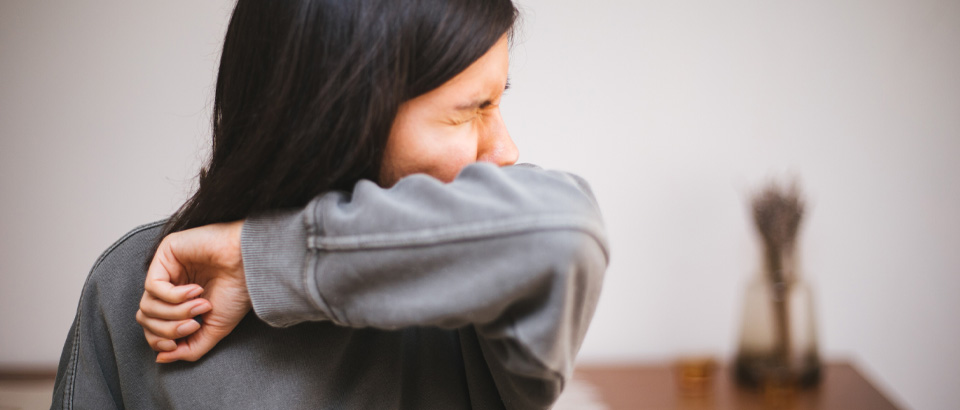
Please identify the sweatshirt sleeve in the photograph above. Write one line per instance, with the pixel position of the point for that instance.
(518, 253)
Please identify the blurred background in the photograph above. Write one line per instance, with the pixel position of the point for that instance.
(675, 111)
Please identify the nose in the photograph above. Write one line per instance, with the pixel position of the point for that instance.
(495, 144)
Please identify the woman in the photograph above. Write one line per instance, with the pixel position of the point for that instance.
(360, 237)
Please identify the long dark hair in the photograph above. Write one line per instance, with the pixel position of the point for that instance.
(308, 90)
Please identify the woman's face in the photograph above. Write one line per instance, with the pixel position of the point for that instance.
(459, 123)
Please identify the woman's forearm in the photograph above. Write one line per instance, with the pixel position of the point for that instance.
(422, 252)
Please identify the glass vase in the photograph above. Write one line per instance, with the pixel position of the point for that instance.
(778, 340)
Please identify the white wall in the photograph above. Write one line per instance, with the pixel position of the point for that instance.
(104, 106)
(673, 110)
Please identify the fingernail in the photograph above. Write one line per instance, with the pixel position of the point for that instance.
(188, 328)
(198, 309)
(167, 345)
(194, 293)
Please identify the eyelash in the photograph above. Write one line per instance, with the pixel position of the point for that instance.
(479, 111)
(470, 119)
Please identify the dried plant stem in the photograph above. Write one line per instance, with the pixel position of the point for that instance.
(780, 290)
(777, 213)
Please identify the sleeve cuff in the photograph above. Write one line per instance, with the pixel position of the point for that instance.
(274, 249)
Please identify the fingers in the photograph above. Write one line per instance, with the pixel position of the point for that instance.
(159, 344)
(192, 349)
(166, 270)
(166, 291)
(159, 309)
(169, 329)
(195, 346)
(162, 322)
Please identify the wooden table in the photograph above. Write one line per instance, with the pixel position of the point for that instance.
(628, 387)
(656, 387)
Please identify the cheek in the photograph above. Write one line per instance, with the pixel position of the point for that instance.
(436, 150)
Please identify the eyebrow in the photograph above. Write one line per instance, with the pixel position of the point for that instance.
(480, 104)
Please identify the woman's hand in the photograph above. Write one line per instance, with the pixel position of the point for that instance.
(204, 261)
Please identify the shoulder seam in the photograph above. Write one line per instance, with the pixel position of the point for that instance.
(70, 373)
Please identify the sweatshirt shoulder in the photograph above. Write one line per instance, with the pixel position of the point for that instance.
(125, 258)
(104, 316)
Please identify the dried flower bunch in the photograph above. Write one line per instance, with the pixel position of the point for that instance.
(777, 212)
(778, 346)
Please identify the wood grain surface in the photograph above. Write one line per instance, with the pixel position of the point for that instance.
(656, 387)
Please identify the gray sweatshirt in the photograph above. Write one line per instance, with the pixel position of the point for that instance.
(473, 294)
